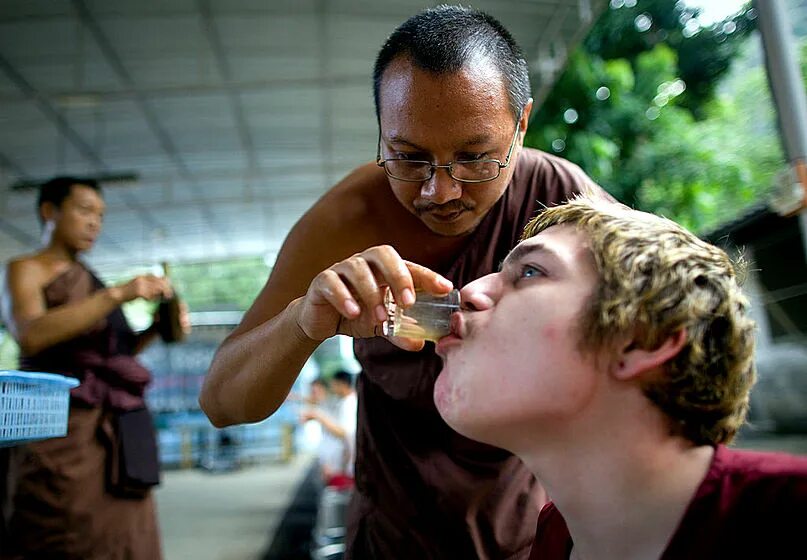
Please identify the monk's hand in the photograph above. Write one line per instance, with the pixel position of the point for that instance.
(348, 297)
(146, 286)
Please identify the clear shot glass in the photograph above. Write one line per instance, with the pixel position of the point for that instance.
(429, 318)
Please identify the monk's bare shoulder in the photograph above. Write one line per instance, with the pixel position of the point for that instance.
(351, 216)
(344, 221)
(31, 269)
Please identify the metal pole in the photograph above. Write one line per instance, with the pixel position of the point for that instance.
(787, 86)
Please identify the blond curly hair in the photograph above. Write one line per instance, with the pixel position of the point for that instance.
(657, 278)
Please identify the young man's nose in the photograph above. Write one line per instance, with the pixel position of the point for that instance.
(481, 294)
(441, 188)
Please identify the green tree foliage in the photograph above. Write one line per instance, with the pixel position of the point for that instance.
(703, 55)
(227, 285)
(638, 107)
(230, 285)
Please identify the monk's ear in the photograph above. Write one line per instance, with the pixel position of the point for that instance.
(525, 116)
(631, 361)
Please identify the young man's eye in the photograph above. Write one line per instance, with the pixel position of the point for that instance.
(529, 271)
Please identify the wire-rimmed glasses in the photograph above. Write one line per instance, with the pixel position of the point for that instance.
(465, 171)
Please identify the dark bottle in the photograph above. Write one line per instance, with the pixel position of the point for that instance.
(168, 326)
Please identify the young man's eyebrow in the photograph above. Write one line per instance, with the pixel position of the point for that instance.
(521, 251)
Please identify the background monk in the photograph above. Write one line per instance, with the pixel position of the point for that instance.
(65, 503)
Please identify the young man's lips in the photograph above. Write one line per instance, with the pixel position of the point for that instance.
(457, 324)
(447, 342)
(454, 338)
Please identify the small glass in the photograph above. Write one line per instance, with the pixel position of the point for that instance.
(429, 318)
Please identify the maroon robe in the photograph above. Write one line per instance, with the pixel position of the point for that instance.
(61, 505)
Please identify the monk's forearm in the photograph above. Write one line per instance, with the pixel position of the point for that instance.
(65, 322)
(252, 373)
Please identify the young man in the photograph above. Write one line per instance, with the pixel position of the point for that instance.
(621, 353)
(66, 321)
(452, 189)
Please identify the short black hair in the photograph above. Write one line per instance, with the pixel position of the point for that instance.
(344, 377)
(443, 39)
(58, 188)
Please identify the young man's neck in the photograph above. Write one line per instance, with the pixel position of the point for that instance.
(622, 492)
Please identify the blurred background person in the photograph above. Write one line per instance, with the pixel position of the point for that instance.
(76, 497)
(336, 414)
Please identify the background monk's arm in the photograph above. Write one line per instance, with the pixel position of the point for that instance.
(35, 327)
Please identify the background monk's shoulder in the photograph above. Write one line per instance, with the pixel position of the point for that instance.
(30, 268)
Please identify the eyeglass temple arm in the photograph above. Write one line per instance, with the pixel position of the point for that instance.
(512, 144)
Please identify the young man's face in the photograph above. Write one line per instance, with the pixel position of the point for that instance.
(77, 222)
(514, 362)
(441, 119)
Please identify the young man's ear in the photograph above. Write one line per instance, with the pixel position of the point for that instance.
(632, 361)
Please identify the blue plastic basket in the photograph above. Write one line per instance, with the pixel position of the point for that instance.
(33, 406)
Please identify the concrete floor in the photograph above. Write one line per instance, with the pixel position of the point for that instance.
(226, 516)
(234, 516)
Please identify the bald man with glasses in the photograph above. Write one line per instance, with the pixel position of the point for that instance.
(447, 198)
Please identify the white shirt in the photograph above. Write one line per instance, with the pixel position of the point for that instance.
(337, 454)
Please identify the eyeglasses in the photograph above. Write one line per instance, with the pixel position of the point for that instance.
(470, 171)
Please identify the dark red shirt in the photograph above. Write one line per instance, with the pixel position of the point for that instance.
(750, 505)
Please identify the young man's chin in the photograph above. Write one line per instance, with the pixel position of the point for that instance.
(477, 429)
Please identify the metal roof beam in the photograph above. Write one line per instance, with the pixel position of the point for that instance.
(61, 124)
(214, 39)
(184, 91)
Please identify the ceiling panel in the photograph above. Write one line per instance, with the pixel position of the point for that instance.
(278, 69)
(33, 9)
(342, 31)
(130, 8)
(258, 7)
(234, 115)
(269, 34)
(172, 71)
(26, 121)
(24, 41)
(150, 37)
(24, 218)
